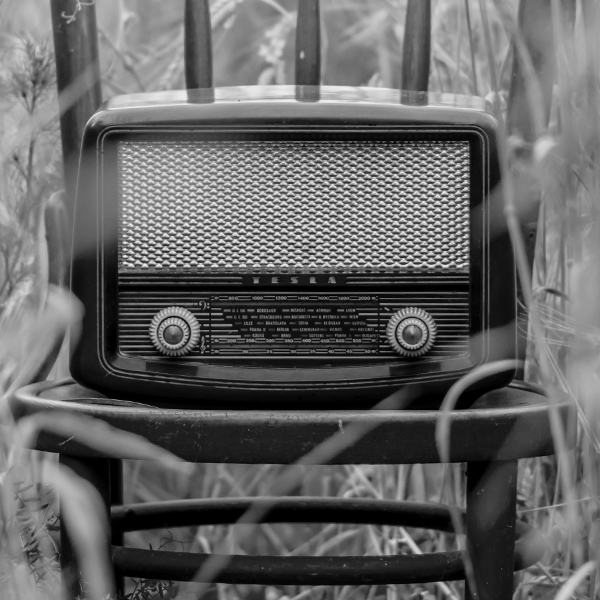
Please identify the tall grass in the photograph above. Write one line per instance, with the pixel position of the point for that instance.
(141, 50)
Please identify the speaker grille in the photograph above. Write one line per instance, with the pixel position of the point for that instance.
(278, 206)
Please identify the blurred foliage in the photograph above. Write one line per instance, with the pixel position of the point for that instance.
(31, 168)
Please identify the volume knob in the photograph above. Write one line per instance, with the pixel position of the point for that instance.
(174, 331)
(411, 332)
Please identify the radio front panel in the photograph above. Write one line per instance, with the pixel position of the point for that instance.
(334, 210)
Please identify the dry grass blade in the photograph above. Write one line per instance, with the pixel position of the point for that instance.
(442, 432)
(414, 547)
(471, 47)
(25, 348)
(532, 85)
(567, 591)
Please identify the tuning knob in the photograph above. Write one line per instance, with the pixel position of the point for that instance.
(411, 332)
(174, 331)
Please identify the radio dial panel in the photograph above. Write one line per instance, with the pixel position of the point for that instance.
(288, 325)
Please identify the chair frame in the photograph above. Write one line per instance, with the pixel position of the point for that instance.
(500, 428)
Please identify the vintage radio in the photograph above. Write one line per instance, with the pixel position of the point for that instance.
(289, 246)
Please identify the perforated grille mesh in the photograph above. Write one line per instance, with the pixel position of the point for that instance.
(294, 206)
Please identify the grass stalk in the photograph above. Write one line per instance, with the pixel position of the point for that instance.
(471, 48)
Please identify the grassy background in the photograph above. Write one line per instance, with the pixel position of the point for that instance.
(141, 50)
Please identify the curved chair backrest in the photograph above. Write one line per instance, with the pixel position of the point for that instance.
(78, 70)
(416, 52)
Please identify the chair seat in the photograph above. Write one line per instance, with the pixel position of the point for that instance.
(506, 424)
(501, 427)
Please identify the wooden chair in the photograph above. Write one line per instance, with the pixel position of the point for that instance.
(500, 428)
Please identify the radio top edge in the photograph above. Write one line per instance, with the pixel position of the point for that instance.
(286, 104)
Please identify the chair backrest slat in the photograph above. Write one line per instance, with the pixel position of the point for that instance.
(308, 43)
(416, 52)
(198, 45)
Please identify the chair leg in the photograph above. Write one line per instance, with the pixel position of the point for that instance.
(491, 515)
(95, 471)
(116, 498)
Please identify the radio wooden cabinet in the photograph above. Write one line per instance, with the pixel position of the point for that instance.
(257, 245)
